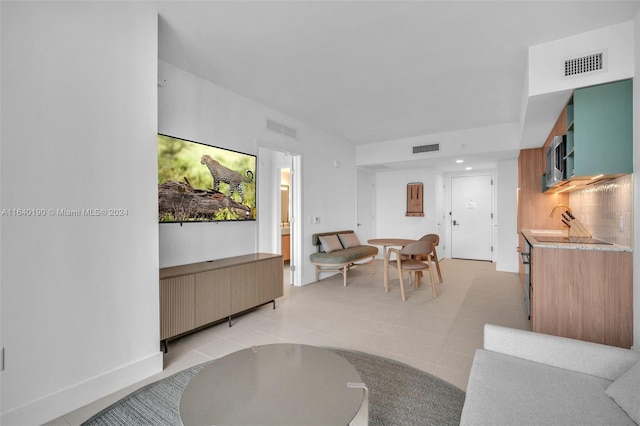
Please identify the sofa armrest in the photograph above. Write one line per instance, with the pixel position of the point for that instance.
(607, 362)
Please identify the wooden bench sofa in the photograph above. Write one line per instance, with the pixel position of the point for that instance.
(340, 252)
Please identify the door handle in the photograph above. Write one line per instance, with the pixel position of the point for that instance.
(455, 222)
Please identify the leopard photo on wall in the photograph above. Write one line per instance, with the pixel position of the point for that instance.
(221, 173)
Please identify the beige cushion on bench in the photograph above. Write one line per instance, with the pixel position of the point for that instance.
(349, 240)
(330, 243)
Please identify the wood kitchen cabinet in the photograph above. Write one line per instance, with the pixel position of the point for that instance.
(534, 207)
(583, 294)
(199, 294)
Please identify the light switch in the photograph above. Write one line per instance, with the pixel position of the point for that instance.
(621, 223)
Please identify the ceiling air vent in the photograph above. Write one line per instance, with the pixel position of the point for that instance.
(282, 128)
(584, 64)
(426, 148)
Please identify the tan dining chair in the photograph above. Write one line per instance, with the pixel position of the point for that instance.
(410, 259)
(435, 239)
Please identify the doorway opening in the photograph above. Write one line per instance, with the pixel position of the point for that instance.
(285, 214)
(280, 206)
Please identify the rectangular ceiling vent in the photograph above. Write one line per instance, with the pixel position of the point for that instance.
(584, 64)
(426, 148)
(282, 128)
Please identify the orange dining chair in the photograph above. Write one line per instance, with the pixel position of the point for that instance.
(410, 259)
(435, 239)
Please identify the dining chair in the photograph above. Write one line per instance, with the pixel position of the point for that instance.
(410, 259)
(435, 239)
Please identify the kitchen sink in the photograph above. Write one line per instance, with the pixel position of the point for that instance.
(575, 240)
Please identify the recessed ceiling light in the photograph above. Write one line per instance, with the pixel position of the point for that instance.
(468, 168)
(459, 161)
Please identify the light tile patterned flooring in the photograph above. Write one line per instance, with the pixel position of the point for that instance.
(438, 335)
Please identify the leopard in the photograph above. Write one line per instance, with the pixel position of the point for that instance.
(221, 173)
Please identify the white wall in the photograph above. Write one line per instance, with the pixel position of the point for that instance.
(499, 138)
(391, 204)
(506, 216)
(546, 61)
(79, 294)
(196, 109)
(266, 206)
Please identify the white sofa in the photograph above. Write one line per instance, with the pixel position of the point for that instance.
(526, 378)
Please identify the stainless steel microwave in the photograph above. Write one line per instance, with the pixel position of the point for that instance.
(556, 169)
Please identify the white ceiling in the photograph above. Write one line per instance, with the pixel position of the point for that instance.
(370, 71)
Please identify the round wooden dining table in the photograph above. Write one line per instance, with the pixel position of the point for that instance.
(388, 242)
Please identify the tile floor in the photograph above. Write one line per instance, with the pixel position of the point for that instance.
(435, 335)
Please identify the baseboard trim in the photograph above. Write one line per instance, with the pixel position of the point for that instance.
(60, 403)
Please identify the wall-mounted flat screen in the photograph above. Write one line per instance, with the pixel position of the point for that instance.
(204, 183)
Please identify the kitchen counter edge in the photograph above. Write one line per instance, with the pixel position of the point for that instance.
(573, 246)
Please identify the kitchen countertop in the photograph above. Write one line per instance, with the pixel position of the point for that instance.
(530, 235)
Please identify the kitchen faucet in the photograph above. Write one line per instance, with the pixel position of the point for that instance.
(576, 228)
(564, 219)
(560, 205)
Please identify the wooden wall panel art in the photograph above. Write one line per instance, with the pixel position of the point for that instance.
(415, 199)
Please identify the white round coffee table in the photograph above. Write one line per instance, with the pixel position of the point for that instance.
(275, 385)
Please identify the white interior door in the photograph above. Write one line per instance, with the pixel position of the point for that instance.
(472, 217)
(365, 206)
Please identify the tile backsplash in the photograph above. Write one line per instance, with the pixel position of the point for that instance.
(606, 209)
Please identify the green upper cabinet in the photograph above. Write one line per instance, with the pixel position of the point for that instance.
(600, 131)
